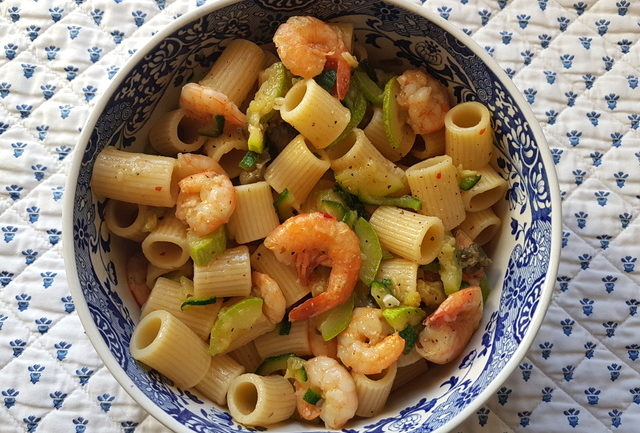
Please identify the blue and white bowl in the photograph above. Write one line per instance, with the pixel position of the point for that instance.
(525, 253)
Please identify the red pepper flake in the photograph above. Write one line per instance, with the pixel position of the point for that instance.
(438, 175)
(158, 188)
(482, 131)
(326, 215)
(162, 253)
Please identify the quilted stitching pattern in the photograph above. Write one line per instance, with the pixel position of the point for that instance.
(578, 65)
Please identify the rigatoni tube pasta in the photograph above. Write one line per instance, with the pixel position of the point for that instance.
(251, 200)
(236, 70)
(435, 183)
(481, 226)
(135, 177)
(375, 132)
(484, 194)
(296, 341)
(166, 246)
(373, 390)
(285, 172)
(218, 378)
(167, 295)
(316, 114)
(130, 220)
(173, 133)
(229, 274)
(261, 400)
(468, 135)
(165, 343)
(403, 274)
(410, 235)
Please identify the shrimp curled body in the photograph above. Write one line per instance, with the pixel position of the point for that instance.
(369, 345)
(205, 202)
(267, 288)
(312, 239)
(425, 99)
(337, 388)
(201, 103)
(448, 330)
(306, 45)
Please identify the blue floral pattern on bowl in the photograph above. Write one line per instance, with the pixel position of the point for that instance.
(399, 34)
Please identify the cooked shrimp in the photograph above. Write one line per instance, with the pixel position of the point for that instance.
(201, 103)
(305, 44)
(309, 240)
(425, 99)
(205, 202)
(274, 304)
(192, 163)
(318, 346)
(369, 344)
(448, 330)
(137, 278)
(335, 385)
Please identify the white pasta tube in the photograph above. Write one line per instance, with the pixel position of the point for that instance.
(317, 115)
(433, 144)
(403, 274)
(173, 133)
(229, 274)
(166, 246)
(135, 177)
(375, 132)
(167, 295)
(296, 169)
(435, 183)
(130, 220)
(481, 226)
(263, 260)
(297, 341)
(490, 188)
(373, 390)
(247, 356)
(363, 169)
(166, 344)
(260, 400)
(228, 149)
(255, 216)
(406, 374)
(468, 135)
(236, 70)
(215, 383)
(407, 234)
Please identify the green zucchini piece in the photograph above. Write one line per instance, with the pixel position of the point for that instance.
(469, 182)
(196, 302)
(392, 115)
(405, 201)
(370, 90)
(410, 334)
(450, 269)
(260, 109)
(333, 208)
(284, 327)
(249, 160)
(350, 217)
(203, 249)
(484, 287)
(232, 321)
(336, 320)
(284, 205)
(329, 194)
(401, 317)
(382, 293)
(311, 396)
(327, 79)
(370, 249)
(295, 369)
(215, 128)
(274, 364)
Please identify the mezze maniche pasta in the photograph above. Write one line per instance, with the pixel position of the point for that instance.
(297, 258)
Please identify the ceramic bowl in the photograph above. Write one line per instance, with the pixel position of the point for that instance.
(525, 253)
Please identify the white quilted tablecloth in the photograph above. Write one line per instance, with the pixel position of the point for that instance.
(577, 63)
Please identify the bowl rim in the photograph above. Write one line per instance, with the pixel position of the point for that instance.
(73, 282)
